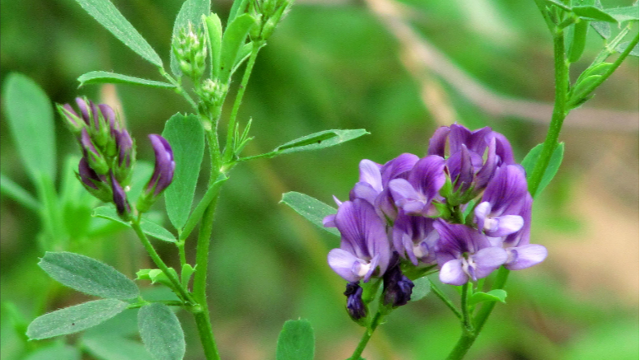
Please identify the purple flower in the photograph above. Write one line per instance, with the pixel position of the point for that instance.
(125, 155)
(522, 254)
(94, 157)
(498, 213)
(165, 165)
(415, 194)
(364, 247)
(120, 199)
(96, 184)
(465, 254)
(374, 180)
(397, 287)
(356, 308)
(414, 238)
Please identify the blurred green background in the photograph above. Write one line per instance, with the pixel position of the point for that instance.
(399, 70)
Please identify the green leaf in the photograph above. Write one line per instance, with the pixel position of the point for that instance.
(186, 273)
(186, 136)
(530, 160)
(148, 227)
(310, 208)
(88, 275)
(197, 213)
(190, 12)
(109, 17)
(578, 40)
(625, 13)
(623, 46)
(30, 118)
(17, 193)
(114, 347)
(421, 289)
(232, 41)
(493, 295)
(214, 34)
(315, 141)
(581, 89)
(56, 352)
(238, 8)
(141, 175)
(601, 27)
(243, 54)
(161, 332)
(296, 341)
(75, 318)
(101, 77)
(592, 13)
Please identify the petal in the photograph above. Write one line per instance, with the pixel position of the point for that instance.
(406, 197)
(342, 262)
(398, 167)
(507, 191)
(503, 149)
(452, 273)
(428, 176)
(370, 173)
(329, 221)
(365, 191)
(438, 141)
(507, 225)
(481, 212)
(526, 256)
(488, 259)
(488, 169)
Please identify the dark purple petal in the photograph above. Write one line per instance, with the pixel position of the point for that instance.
(438, 141)
(503, 149)
(95, 114)
(109, 115)
(428, 176)
(124, 144)
(461, 169)
(474, 140)
(87, 144)
(414, 237)
(165, 166)
(521, 237)
(457, 239)
(355, 306)
(507, 191)
(488, 169)
(525, 256)
(87, 175)
(120, 198)
(397, 287)
(84, 109)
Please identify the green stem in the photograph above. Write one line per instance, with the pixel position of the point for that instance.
(436, 290)
(610, 71)
(466, 317)
(135, 224)
(228, 151)
(487, 308)
(183, 254)
(166, 302)
(560, 111)
(377, 319)
(179, 89)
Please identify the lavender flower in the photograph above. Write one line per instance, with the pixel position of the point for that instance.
(521, 254)
(464, 254)
(364, 247)
(397, 287)
(502, 201)
(162, 173)
(414, 238)
(356, 308)
(425, 180)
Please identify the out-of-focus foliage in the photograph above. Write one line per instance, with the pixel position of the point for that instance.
(336, 65)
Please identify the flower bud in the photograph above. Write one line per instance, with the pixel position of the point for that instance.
(120, 200)
(93, 182)
(356, 308)
(74, 122)
(162, 173)
(397, 287)
(94, 157)
(126, 156)
(189, 48)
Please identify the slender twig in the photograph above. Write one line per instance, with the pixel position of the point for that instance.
(436, 290)
(377, 319)
(179, 89)
(464, 305)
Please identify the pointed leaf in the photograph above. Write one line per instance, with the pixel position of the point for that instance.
(238, 8)
(493, 295)
(577, 40)
(17, 193)
(190, 12)
(30, 117)
(148, 227)
(75, 318)
(214, 34)
(232, 41)
(102, 77)
(312, 209)
(421, 289)
(114, 347)
(186, 136)
(161, 332)
(601, 27)
(625, 13)
(197, 213)
(592, 13)
(296, 341)
(88, 275)
(530, 160)
(111, 18)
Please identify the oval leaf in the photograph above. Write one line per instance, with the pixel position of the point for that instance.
(197, 213)
(190, 12)
(88, 275)
(592, 13)
(578, 40)
(148, 227)
(111, 18)
(296, 341)
(310, 208)
(493, 295)
(214, 34)
(75, 318)
(186, 136)
(530, 160)
(114, 347)
(102, 77)
(232, 40)
(625, 13)
(161, 332)
(421, 289)
(30, 118)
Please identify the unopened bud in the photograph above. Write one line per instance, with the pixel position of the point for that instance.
(162, 173)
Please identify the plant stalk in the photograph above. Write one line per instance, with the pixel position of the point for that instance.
(377, 319)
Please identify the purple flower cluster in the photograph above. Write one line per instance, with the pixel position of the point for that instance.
(109, 154)
(464, 208)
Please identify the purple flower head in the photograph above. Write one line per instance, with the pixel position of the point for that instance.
(126, 152)
(364, 247)
(415, 194)
(397, 287)
(120, 199)
(165, 165)
(522, 254)
(88, 177)
(94, 157)
(73, 121)
(414, 238)
(356, 308)
(498, 212)
(374, 180)
(464, 254)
